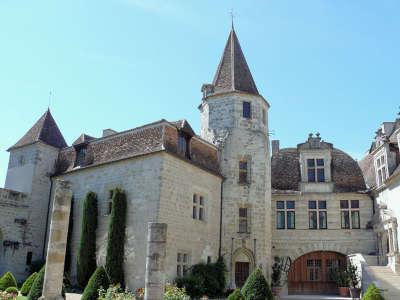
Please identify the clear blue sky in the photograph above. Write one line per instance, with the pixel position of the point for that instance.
(328, 66)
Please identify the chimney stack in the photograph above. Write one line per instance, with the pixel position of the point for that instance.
(275, 146)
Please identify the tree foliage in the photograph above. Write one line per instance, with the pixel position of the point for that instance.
(372, 293)
(236, 295)
(116, 238)
(37, 286)
(26, 287)
(86, 263)
(256, 287)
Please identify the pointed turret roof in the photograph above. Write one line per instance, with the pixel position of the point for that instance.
(44, 130)
(233, 73)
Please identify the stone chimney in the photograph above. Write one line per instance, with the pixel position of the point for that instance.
(107, 132)
(275, 146)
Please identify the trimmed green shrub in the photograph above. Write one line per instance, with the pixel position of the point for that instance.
(204, 279)
(11, 290)
(256, 287)
(116, 238)
(7, 280)
(372, 293)
(86, 263)
(36, 266)
(37, 286)
(96, 282)
(26, 287)
(236, 295)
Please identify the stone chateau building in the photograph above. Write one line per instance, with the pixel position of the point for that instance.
(223, 192)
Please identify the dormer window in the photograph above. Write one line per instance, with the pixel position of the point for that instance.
(183, 144)
(316, 170)
(381, 169)
(80, 156)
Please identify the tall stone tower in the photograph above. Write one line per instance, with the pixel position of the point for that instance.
(32, 162)
(234, 117)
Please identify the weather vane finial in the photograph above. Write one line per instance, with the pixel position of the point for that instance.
(48, 107)
(232, 16)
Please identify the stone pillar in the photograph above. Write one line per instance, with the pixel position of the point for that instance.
(155, 261)
(53, 278)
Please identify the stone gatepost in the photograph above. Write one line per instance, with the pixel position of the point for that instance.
(155, 261)
(53, 278)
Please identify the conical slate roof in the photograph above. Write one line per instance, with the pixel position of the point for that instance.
(44, 130)
(233, 73)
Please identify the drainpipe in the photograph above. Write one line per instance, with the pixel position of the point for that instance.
(220, 221)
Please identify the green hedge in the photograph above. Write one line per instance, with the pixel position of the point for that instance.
(372, 293)
(7, 280)
(256, 287)
(116, 238)
(204, 279)
(86, 263)
(37, 286)
(26, 287)
(12, 290)
(236, 295)
(98, 280)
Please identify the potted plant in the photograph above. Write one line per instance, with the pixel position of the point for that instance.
(276, 276)
(354, 281)
(341, 278)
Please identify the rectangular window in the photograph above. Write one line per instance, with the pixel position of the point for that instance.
(194, 215)
(317, 214)
(243, 220)
(29, 258)
(184, 145)
(381, 169)
(314, 269)
(243, 171)
(198, 210)
(285, 215)
(316, 170)
(350, 214)
(182, 264)
(201, 208)
(246, 110)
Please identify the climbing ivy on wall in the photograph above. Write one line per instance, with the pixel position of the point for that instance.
(116, 238)
(86, 263)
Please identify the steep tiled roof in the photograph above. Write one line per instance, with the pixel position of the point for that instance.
(233, 73)
(44, 130)
(285, 171)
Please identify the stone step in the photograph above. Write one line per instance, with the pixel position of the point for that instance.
(387, 280)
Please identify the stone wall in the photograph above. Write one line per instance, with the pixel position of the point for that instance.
(198, 238)
(299, 241)
(14, 245)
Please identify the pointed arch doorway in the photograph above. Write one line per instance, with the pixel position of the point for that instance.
(243, 264)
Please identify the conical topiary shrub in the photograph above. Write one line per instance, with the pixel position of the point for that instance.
(98, 280)
(7, 280)
(116, 238)
(86, 262)
(37, 286)
(236, 295)
(26, 287)
(256, 287)
(372, 293)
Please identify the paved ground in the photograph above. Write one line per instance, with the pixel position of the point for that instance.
(387, 280)
(70, 296)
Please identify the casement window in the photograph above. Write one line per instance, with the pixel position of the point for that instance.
(317, 214)
(246, 110)
(182, 264)
(184, 144)
(285, 215)
(314, 269)
(243, 220)
(350, 214)
(243, 171)
(316, 170)
(381, 170)
(198, 211)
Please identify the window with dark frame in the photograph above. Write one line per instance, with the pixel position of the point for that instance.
(285, 215)
(184, 144)
(246, 109)
(315, 170)
(109, 203)
(80, 156)
(350, 214)
(29, 258)
(243, 220)
(317, 214)
(182, 265)
(243, 171)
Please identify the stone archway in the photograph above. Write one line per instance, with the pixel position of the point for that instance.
(243, 265)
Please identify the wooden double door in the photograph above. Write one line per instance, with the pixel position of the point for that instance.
(312, 273)
(242, 270)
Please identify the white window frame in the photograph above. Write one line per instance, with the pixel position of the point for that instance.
(316, 168)
(198, 205)
(381, 168)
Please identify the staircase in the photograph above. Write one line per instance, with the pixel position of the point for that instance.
(386, 280)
